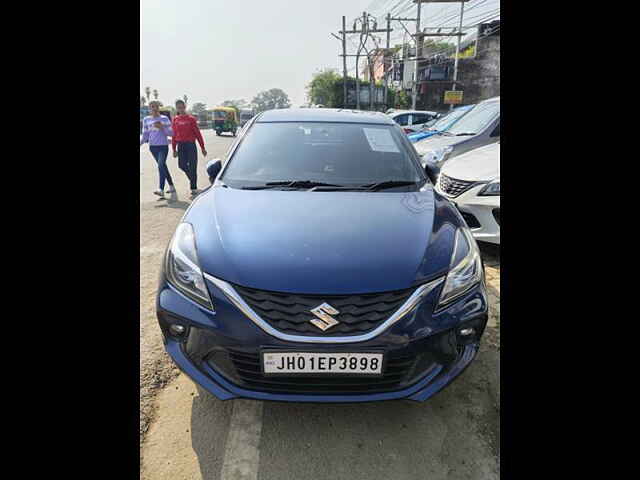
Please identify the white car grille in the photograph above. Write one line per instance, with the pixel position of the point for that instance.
(453, 187)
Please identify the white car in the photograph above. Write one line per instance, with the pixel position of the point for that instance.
(413, 120)
(472, 182)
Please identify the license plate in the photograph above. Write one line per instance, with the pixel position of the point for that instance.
(325, 363)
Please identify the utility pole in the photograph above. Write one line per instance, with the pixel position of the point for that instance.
(414, 90)
(455, 65)
(344, 62)
(364, 32)
(384, 61)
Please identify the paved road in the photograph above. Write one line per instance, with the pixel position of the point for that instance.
(194, 436)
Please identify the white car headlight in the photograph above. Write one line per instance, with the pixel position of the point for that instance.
(465, 270)
(438, 155)
(182, 266)
(492, 188)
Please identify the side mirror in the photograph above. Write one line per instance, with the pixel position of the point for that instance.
(432, 172)
(213, 169)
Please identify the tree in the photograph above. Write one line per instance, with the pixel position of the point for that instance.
(155, 94)
(185, 98)
(147, 90)
(402, 100)
(237, 104)
(270, 99)
(143, 101)
(321, 89)
(198, 108)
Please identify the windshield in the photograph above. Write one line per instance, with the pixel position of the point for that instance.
(442, 123)
(343, 154)
(476, 119)
(219, 114)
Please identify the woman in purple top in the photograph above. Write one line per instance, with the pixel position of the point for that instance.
(155, 130)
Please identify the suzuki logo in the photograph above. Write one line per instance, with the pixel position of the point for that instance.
(324, 320)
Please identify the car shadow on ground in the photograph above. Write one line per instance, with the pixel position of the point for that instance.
(453, 435)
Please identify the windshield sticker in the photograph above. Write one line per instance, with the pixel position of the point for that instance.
(380, 140)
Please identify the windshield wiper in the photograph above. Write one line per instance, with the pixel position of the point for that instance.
(388, 184)
(291, 184)
(465, 133)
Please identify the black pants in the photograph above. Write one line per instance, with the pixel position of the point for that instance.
(188, 162)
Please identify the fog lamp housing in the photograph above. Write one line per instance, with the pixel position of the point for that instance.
(177, 329)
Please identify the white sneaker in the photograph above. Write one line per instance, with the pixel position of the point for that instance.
(159, 193)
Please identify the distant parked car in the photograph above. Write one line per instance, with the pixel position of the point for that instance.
(439, 125)
(472, 182)
(413, 120)
(478, 127)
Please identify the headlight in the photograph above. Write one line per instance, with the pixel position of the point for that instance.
(438, 155)
(182, 267)
(465, 270)
(492, 188)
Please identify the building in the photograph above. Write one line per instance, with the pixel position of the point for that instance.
(478, 70)
(381, 60)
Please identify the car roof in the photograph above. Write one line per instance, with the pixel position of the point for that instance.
(493, 99)
(323, 115)
(399, 112)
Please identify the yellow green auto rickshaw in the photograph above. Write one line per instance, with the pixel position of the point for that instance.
(225, 119)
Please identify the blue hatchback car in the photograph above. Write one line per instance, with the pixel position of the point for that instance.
(321, 266)
(441, 124)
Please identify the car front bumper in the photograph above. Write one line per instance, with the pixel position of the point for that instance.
(209, 349)
(482, 213)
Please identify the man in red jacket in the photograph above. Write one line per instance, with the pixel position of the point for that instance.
(185, 133)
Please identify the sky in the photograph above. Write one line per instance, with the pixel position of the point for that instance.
(217, 50)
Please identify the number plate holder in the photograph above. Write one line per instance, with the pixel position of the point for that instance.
(380, 354)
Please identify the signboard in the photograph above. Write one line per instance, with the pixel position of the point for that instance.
(453, 97)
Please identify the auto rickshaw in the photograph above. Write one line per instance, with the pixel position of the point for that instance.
(225, 119)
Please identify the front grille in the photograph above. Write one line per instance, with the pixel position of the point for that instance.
(290, 313)
(453, 187)
(471, 220)
(399, 372)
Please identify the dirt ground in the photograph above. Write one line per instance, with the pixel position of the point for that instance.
(158, 221)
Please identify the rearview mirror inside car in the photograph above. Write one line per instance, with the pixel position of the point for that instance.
(213, 169)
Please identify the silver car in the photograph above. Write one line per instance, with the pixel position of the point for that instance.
(479, 127)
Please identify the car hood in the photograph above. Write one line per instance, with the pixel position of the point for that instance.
(316, 242)
(437, 141)
(480, 164)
